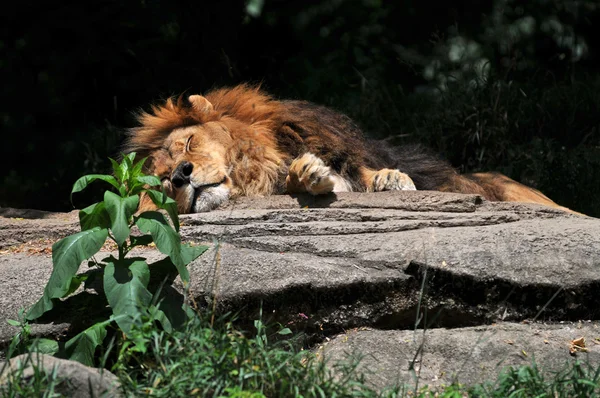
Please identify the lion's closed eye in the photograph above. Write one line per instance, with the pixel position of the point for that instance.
(188, 143)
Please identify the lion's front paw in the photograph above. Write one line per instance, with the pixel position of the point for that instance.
(391, 180)
(308, 173)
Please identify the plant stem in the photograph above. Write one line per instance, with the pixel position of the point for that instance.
(122, 251)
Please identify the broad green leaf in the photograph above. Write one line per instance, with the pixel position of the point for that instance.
(284, 331)
(125, 286)
(12, 322)
(75, 283)
(137, 168)
(165, 237)
(120, 211)
(160, 316)
(84, 181)
(127, 166)
(116, 170)
(188, 254)
(135, 184)
(82, 347)
(67, 255)
(141, 183)
(171, 306)
(143, 240)
(94, 216)
(175, 310)
(162, 201)
(129, 158)
(149, 180)
(44, 346)
(168, 242)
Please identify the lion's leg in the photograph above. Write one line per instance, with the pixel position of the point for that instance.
(309, 173)
(386, 180)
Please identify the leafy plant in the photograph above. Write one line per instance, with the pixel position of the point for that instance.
(125, 280)
(214, 358)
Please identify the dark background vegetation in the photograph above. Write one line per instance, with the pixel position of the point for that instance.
(503, 85)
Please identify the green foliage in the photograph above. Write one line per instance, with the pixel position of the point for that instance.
(125, 280)
(23, 338)
(578, 379)
(67, 256)
(218, 360)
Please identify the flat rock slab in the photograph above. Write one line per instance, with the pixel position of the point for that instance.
(467, 355)
(19, 226)
(366, 258)
(329, 263)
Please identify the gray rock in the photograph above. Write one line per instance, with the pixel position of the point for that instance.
(326, 264)
(468, 355)
(74, 379)
(19, 226)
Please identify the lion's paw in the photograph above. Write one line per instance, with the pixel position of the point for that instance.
(309, 173)
(392, 180)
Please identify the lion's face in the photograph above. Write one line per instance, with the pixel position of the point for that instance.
(193, 167)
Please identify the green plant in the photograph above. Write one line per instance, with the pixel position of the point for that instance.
(125, 280)
(577, 379)
(216, 359)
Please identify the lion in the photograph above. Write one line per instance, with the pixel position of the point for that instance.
(241, 141)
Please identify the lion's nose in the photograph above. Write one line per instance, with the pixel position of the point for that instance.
(182, 174)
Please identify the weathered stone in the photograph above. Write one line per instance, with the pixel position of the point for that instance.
(326, 264)
(467, 355)
(74, 379)
(25, 225)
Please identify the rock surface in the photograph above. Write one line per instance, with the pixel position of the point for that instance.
(381, 260)
(468, 355)
(73, 378)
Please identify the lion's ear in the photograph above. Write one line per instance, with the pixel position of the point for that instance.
(200, 103)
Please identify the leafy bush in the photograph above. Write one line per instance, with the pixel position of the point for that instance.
(125, 280)
(578, 379)
(218, 360)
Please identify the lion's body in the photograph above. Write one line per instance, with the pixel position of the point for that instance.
(240, 141)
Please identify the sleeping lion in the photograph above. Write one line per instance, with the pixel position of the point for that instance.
(241, 141)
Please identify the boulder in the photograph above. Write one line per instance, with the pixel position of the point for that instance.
(73, 379)
(386, 260)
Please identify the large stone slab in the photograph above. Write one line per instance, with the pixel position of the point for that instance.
(326, 264)
(365, 260)
(19, 226)
(468, 356)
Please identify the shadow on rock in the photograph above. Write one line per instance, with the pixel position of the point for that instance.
(308, 200)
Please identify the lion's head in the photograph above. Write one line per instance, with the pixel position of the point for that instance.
(193, 166)
(203, 155)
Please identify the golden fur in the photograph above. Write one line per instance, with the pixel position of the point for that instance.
(241, 141)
